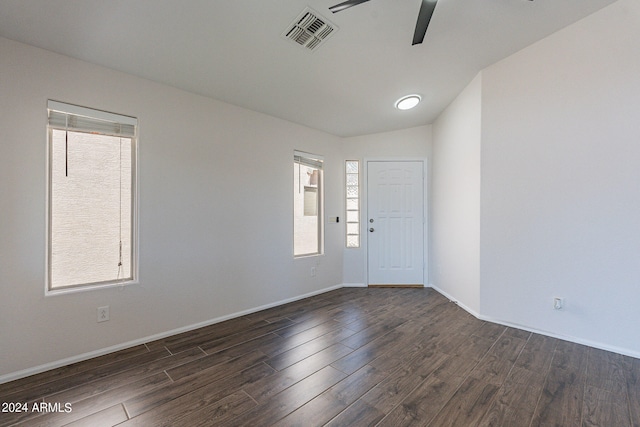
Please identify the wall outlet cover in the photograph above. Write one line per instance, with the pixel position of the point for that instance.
(103, 314)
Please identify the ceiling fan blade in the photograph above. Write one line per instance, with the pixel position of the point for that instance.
(424, 16)
(346, 5)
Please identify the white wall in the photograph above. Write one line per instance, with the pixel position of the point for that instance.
(215, 202)
(412, 143)
(561, 182)
(455, 199)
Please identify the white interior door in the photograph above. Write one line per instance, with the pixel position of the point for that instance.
(395, 222)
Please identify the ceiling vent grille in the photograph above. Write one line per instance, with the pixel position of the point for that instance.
(309, 30)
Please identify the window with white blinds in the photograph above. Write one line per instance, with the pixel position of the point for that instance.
(91, 197)
(307, 199)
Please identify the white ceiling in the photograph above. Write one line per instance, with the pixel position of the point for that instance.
(234, 51)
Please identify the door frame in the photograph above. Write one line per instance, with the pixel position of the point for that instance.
(364, 229)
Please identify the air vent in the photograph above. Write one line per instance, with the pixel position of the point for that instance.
(309, 30)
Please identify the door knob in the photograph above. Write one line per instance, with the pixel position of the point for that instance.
(371, 229)
(371, 220)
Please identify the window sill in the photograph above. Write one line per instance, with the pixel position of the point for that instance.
(307, 255)
(76, 289)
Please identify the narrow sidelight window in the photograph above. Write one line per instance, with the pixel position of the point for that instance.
(91, 197)
(352, 202)
(308, 199)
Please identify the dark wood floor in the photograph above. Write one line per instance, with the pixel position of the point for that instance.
(351, 357)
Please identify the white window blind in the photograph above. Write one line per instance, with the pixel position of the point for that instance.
(311, 160)
(91, 206)
(82, 119)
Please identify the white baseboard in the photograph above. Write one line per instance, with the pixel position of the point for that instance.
(85, 356)
(588, 343)
(354, 285)
(454, 300)
(90, 355)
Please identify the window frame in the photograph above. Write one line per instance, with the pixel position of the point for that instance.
(346, 201)
(312, 159)
(129, 127)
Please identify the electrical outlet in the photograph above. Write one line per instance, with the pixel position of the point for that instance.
(558, 303)
(103, 314)
(313, 272)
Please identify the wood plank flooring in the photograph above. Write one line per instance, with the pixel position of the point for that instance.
(350, 357)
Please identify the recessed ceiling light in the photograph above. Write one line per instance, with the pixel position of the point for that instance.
(408, 102)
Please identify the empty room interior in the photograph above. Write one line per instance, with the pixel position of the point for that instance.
(221, 213)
